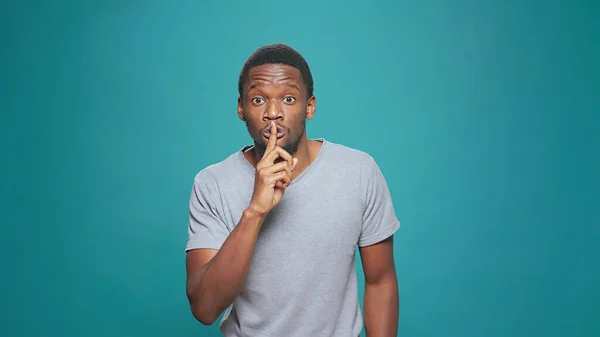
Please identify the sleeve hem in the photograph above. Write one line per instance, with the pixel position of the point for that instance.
(380, 236)
(202, 245)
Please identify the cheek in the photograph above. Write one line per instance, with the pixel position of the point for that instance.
(254, 114)
(295, 113)
(254, 125)
(297, 119)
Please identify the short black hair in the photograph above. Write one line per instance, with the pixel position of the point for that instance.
(277, 54)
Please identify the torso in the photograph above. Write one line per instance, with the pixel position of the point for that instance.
(302, 279)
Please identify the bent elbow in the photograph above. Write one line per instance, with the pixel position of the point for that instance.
(205, 317)
(203, 307)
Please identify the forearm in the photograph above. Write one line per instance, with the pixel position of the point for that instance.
(381, 306)
(216, 285)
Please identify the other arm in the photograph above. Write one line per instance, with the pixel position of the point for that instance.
(381, 301)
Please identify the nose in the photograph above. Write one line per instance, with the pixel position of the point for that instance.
(273, 111)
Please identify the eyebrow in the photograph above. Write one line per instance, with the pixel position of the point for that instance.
(291, 85)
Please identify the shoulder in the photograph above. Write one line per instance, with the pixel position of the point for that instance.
(346, 155)
(218, 172)
(355, 165)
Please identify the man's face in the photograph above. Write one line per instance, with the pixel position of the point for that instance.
(276, 92)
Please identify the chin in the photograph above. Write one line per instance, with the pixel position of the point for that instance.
(290, 148)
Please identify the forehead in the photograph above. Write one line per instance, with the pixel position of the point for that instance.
(274, 74)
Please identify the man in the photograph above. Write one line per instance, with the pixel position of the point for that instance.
(273, 228)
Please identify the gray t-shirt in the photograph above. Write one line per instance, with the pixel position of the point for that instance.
(302, 280)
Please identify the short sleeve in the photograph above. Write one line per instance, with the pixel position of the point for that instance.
(379, 216)
(205, 228)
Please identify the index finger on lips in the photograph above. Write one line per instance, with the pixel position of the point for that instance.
(273, 137)
(272, 142)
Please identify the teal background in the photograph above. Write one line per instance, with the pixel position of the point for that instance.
(483, 116)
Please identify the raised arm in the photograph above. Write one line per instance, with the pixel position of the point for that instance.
(215, 277)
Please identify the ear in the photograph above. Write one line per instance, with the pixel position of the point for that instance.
(311, 108)
(240, 108)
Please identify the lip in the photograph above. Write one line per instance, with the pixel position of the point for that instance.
(267, 132)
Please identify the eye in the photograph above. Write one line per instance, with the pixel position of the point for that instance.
(289, 99)
(257, 100)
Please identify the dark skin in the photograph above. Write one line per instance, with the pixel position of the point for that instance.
(381, 301)
(277, 93)
(275, 106)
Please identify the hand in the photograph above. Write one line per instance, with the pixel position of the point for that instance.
(271, 179)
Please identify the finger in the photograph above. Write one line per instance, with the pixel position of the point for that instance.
(272, 142)
(283, 178)
(276, 153)
(279, 177)
(272, 138)
(280, 185)
(283, 166)
(294, 163)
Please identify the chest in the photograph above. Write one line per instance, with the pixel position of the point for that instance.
(311, 233)
(315, 218)
(319, 227)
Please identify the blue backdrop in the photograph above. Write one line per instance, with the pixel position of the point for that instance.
(483, 116)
